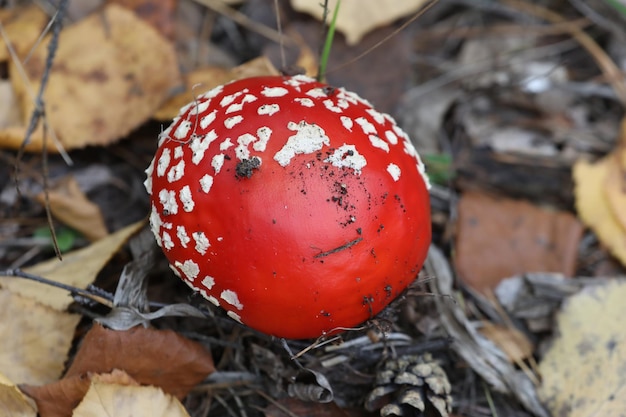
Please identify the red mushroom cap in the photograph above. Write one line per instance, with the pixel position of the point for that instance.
(293, 205)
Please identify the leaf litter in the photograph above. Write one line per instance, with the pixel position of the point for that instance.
(518, 108)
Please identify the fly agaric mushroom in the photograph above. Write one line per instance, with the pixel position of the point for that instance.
(293, 205)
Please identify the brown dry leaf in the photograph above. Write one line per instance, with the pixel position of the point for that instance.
(79, 268)
(152, 357)
(358, 17)
(498, 238)
(111, 72)
(13, 403)
(585, 367)
(593, 206)
(60, 398)
(105, 400)
(34, 339)
(510, 340)
(71, 207)
(22, 26)
(204, 79)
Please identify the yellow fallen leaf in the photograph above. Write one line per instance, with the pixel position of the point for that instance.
(34, 339)
(79, 268)
(584, 369)
(70, 206)
(105, 400)
(22, 26)
(593, 207)
(111, 72)
(358, 17)
(13, 403)
(615, 190)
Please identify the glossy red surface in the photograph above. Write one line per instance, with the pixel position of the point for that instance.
(302, 231)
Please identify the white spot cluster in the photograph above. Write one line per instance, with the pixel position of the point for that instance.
(304, 102)
(366, 126)
(316, 92)
(155, 224)
(347, 123)
(164, 162)
(176, 172)
(205, 121)
(391, 137)
(264, 133)
(226, 144)
(182, 235)
(186, 199)
(168, 201)
(274, 91)
(309, 138)
(379, 143)
(241, 151)
(167, 241)
(394, 171)
(199, 146)
(268, 109)
(330, 105)
(232, 121)
(248, 98)
(208, 282)
(346, 156)
(217, 162)
(202, 242)
(234, 316)
(229, 99)
(231, 298)
(206, 182)
(199, 107)
(148, 182)
(182, 130)
(189, 268)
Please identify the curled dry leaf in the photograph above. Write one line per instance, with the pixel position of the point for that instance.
(70, 206)
(12, 402)
(109, 57)
(34, 339)
(358, 17)
(79, 268)
(584, 369)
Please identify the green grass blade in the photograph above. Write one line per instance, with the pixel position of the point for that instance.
(321, 75)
